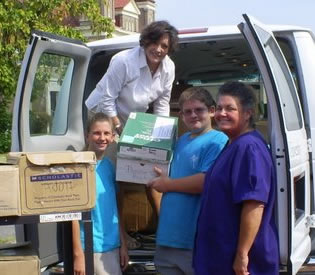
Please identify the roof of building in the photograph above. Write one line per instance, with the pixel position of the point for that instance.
(121, 3)
(153, 1)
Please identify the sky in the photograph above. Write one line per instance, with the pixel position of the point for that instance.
(200, 13)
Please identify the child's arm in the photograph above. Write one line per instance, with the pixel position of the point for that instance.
(78, 254)
(191, 184)
(123, 251)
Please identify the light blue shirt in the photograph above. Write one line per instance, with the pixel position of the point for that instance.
(106, 235)
(179, 211)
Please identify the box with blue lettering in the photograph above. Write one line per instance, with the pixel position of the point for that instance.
(53, 181)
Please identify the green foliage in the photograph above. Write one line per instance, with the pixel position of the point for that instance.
(5, 129)
(17, 19)
(39, 122)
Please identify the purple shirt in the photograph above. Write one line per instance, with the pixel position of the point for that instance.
(243, 171)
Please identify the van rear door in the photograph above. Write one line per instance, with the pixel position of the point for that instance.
(48, 103)
(47, 116)
(288, 143)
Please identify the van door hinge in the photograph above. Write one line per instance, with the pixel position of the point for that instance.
(309, 145)
(310, 221)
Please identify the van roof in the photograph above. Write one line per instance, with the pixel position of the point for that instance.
(220, 30)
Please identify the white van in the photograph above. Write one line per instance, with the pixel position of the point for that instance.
(58, 74)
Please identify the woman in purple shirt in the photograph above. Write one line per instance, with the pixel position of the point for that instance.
(236, 232)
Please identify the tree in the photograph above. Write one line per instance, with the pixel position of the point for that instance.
(17, 19)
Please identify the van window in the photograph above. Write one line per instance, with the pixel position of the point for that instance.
(50, 95)
(290, 104)
(299, 197)
(213, 63)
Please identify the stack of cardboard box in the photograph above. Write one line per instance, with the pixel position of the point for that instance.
(40, 183)
(19, 261)
(146, 141)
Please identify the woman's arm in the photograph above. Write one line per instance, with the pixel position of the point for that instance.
(108, 88)
(78, 253)
(251, 216)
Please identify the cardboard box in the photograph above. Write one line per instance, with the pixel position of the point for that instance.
(146, 141)
(138, 213)
(9, 190)
(149, 137)
(48, 182)
(138, 170)
(19, 261)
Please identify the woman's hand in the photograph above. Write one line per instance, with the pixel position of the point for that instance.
(240, 264)
(117, 125)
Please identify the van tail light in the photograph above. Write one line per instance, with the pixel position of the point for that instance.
(193, 30)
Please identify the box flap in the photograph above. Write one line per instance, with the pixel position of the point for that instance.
(49, 158)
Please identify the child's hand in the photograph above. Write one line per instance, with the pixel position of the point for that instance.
(124, 257)
(161, 182)
(79, 264)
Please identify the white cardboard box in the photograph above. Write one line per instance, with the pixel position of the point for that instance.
(138, 170)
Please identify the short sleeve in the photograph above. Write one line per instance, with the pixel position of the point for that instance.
(251, 174)
(212, 151)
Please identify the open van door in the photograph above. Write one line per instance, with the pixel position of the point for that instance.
(48, 103)
(47, 116)
(288, 143)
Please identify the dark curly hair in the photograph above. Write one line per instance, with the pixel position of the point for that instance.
(153, 32)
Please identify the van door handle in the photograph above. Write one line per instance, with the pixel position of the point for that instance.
(279, 156)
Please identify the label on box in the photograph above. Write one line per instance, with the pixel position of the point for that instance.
(56, 186)
(61, 217)
(163, 128)
(144, 152)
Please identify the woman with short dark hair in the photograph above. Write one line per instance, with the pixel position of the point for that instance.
(137, 77)
(236, 231)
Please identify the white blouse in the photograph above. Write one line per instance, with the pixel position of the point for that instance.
(128, 86)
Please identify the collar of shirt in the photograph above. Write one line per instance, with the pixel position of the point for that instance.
(143, 63)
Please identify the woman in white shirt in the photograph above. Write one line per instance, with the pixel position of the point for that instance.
(136, 78)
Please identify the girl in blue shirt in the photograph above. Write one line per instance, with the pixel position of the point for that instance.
(110, 251)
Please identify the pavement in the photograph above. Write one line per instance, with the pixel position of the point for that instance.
(6, 231)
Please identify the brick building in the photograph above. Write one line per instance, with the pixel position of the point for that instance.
(129, 16)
